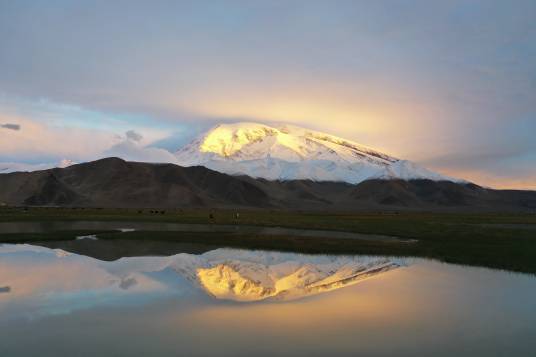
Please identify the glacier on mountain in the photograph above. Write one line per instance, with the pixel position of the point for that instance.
(291, 153)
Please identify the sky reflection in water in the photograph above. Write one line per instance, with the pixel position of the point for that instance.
(148, 305)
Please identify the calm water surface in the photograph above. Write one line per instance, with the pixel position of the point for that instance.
(242, 303)
(51, 226)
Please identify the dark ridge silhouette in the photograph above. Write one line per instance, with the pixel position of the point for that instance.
(113, 182)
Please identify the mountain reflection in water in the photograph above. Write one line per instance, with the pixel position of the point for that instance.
(42, 273)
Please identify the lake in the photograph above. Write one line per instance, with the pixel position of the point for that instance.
(53, 226)
(233, 302)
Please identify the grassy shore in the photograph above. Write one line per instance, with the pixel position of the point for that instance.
(504, 241)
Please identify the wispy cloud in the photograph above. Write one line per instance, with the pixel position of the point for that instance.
(10, 126)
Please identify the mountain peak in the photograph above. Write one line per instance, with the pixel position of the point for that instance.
(248, 140)
(289, 152)
(228, 139)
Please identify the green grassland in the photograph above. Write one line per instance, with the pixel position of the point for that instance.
(503, 241)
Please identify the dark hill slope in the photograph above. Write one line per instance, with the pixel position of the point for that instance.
(114, 182)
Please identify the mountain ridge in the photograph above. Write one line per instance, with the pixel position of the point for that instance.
(113, 182)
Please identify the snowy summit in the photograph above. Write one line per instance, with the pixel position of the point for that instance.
(291, 153)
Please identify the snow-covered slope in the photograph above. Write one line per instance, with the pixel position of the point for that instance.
(290, 152)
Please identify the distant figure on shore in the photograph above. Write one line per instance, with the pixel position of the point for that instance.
(211, 216)
(237, 216)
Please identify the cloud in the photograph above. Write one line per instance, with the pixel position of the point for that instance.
(427, 81)
(131, 149)
(53, 132)
(10, 126)
(45, 142)
(134, 136)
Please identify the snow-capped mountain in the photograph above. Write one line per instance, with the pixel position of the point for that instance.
(6, 167)
(290, 152)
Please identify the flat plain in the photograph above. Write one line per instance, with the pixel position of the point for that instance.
(494, 240)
